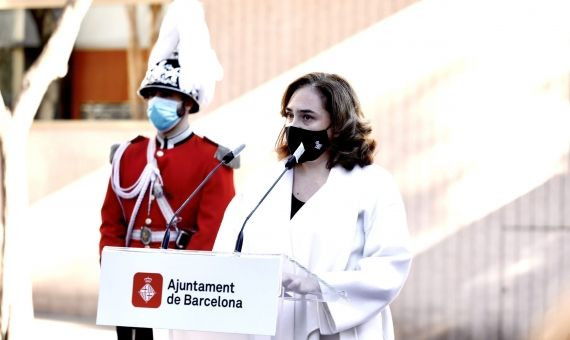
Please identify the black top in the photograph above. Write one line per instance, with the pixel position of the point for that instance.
(295, 205)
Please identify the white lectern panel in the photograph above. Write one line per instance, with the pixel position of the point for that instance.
(203, 291)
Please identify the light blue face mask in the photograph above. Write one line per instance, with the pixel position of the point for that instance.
(163, 113)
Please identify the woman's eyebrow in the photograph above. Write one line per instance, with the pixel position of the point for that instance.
(300, 111)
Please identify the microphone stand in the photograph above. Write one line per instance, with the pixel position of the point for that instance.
(239, 242)
(291, 161)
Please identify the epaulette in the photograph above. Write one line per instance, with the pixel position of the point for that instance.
(222, 151)
(115, 146)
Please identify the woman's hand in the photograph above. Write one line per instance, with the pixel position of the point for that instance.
(300, 284)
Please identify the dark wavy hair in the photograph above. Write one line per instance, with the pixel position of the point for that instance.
(351, 143)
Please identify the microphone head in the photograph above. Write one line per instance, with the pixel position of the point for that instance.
(237, 150)
(232, 154)
(294, 158)
(299, 152)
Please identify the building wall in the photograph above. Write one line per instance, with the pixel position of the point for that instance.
(255, 41)
(106, 27)
(97, 77)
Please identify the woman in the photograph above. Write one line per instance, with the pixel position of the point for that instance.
(335, 212)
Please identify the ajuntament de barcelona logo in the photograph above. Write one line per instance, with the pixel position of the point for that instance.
(147, 290)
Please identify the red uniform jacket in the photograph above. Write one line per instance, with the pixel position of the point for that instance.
(182, 168)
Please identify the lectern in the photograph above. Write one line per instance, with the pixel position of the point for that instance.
(200, 290)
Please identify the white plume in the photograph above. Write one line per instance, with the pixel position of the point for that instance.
(184, 30)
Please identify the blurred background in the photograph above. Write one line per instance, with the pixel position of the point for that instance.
(470, 105)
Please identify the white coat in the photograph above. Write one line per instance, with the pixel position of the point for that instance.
(352, 233)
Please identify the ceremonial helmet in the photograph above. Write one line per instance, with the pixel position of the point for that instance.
(182, 59)
(165, 75)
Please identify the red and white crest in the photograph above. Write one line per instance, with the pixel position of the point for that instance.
(147, 290)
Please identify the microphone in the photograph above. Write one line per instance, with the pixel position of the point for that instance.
(225, 160)
(291, 161)
(294, 158)
(232, 154)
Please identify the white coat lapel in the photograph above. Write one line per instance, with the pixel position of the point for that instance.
(323, 230)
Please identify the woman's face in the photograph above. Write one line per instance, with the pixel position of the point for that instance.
(305, 110)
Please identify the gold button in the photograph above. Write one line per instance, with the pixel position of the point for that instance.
(160, 153)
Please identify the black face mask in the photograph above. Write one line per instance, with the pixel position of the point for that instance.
(315, 142)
